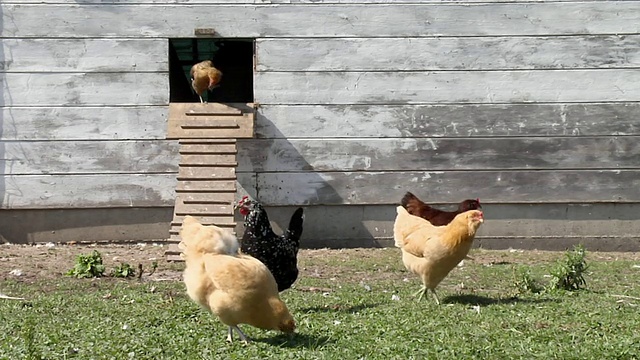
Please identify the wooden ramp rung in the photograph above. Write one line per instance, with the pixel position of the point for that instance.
(205, 198)
(206, 186)
(207, 141)
(208, 148)
(206, 173)
(220, 160)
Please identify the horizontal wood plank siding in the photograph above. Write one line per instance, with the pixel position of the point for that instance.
(340, 20)
(455, 120)
(81, 123)
(80, 55)
(470, 53)
(524, 104)
(263, 2)
(89, 157)
(454, 87)
(440, 154)
(84, 89)
(88, 191)
(371, 188)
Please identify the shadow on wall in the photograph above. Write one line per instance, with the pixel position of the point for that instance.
(86, 225)
(328, 219)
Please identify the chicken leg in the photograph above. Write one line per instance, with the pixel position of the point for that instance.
(435, 296)
(242, 336)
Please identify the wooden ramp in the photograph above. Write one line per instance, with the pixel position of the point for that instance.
(206, 187)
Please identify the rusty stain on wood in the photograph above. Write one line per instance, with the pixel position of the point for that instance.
(204, 31)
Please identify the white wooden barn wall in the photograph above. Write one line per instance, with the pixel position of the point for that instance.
(509, 101)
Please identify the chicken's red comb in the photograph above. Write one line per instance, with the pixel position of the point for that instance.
(240, 203)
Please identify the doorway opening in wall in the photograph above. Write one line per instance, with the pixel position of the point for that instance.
(233, 57)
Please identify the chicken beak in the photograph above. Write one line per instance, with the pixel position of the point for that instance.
(241, 203)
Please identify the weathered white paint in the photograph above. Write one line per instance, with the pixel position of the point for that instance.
(473, 53)
(303, 46)
(487, 87)
(370, 188)
(87, 191)
(361, 154)
(80, 55)
(88, 157)
(451, 120)
(80, 123)
(55, 89)
(225, 2)
(341, 20)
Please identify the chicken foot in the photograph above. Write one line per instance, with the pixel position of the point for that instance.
(242, 336)
(423, 290)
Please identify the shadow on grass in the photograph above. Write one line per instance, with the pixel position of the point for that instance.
(469, 299)
(295, 340)
(338, 308)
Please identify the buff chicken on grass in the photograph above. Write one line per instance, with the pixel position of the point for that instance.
(204, 76)
(237, 288)
(431, 252)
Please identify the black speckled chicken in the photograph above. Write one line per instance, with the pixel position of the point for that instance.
(278, 252)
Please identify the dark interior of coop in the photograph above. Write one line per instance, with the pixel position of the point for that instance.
(233, 57)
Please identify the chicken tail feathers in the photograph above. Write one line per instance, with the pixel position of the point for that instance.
(408, 198)
(295, 224)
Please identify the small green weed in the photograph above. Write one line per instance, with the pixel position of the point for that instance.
(569, 274)
(88, 266)
(123, 270)
(525, 283)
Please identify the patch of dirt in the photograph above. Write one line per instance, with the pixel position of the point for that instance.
(47, 261)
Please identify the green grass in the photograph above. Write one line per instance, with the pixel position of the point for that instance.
(352, 317)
